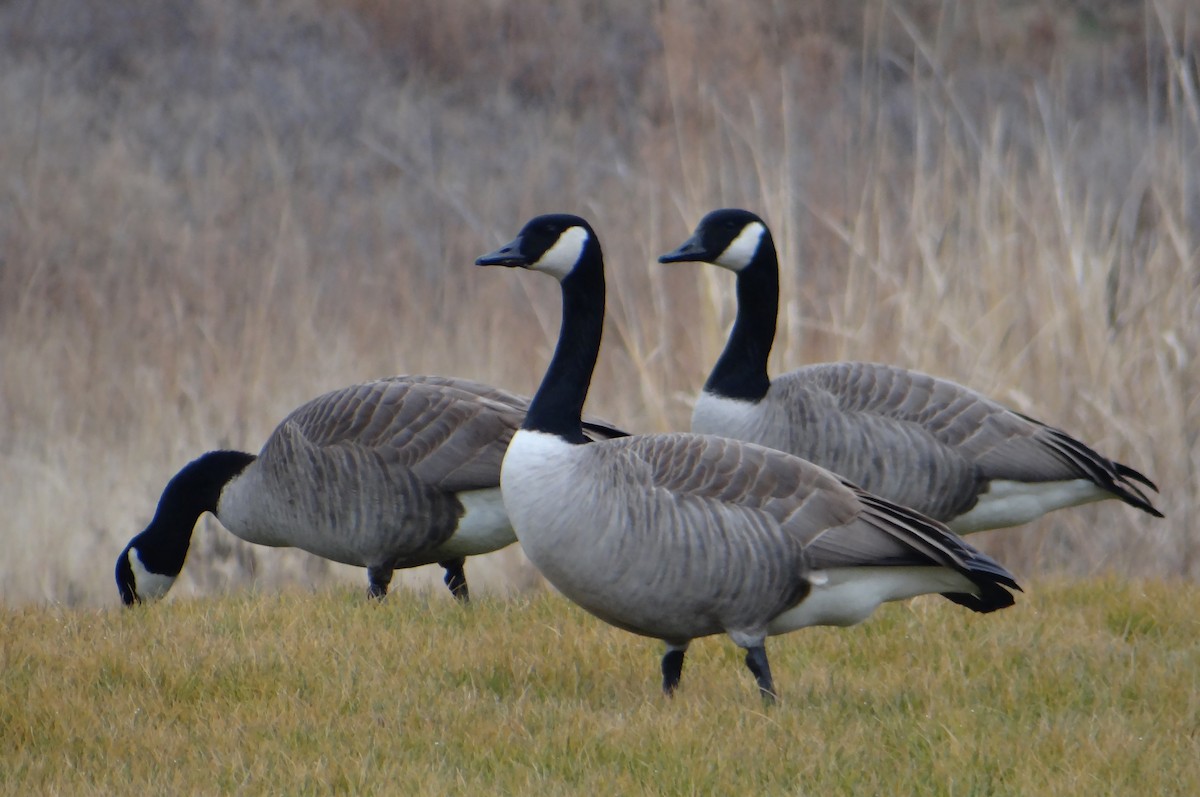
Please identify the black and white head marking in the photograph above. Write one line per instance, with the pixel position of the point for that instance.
(137, 583)
(553, 243)
(561, 258)
(742, 249)
(729, 238)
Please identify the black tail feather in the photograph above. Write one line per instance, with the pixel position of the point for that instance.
(943, 547)
(1127, 472)
(992, 598)
(1118, 479)
(1111, 475)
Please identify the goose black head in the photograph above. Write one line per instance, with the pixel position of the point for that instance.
(152, 560)
(136, 582)
(729, 238)
(555, 243)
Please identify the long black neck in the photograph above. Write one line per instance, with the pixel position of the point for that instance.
(558, 404)
(741, 371)
(196, 489)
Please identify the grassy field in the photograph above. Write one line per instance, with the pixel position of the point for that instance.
(212, 211)
(1085, 688)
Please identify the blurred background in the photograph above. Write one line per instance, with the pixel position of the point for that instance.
(214, 210)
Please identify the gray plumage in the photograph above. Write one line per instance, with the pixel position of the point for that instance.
(923, 442)
(371, 475)
(386, 475)
(677, 536)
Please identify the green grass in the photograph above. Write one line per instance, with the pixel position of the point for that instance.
(1084, 688)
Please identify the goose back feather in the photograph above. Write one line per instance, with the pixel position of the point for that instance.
(923, 442)
(677, 536)
(385, 475)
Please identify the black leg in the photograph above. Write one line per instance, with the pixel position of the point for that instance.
(672, 669)
(378, 579)
(756, 660)
(456, 579)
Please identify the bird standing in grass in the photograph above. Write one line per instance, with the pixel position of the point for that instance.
(384, 475)
(927, 443)
(679, 536)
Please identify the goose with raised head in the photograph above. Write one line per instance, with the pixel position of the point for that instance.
(923, 442)
(679, 536)
(385, 475)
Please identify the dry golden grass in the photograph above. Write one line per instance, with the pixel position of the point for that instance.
(212, 211)
(1085, 688)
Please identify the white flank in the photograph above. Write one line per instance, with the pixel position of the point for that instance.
(483, 528)
(741, 251)
(561, 258)
(149, 586)
(1009, 503)
(848, 595)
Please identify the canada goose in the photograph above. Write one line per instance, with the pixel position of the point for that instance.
(926, 443)
(388, 474)
(678, 536)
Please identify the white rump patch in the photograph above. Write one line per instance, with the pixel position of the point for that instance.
(149, 586)
(743, 248)
(1010, 503)
(561, 258)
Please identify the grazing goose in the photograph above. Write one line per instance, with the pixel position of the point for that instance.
(678, 536)
(389, 474)
(923, 442)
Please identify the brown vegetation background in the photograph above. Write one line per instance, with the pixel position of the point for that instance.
(212, 210)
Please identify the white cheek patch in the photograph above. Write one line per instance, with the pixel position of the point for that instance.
(561, 258)
(149, 586)
(741, 251)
